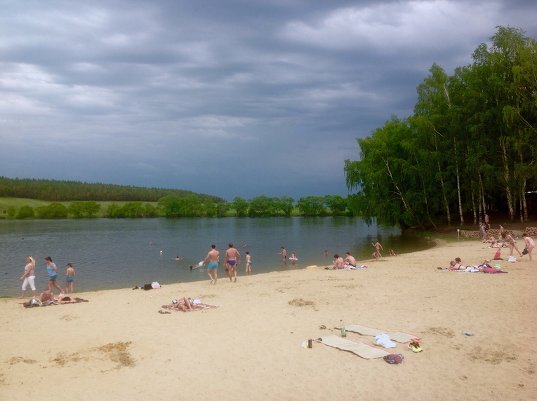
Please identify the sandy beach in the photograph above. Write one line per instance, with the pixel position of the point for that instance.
(118, 347)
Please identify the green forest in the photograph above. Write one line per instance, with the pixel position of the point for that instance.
(29, 199)
(469, 147)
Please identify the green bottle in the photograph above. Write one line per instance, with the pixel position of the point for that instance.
(343, 331)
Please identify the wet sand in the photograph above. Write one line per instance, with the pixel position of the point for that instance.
(117, 346)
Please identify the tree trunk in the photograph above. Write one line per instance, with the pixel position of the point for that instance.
(506, 177)
(481, 200)
(461, 215)
(472, 194)
(399, 193)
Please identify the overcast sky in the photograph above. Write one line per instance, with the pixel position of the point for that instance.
(222, 97)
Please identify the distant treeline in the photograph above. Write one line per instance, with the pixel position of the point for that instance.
(73, 199)
(57, 190)
(174, 206)
(469, 148)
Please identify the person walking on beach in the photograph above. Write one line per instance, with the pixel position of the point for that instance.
(70, 279)
(248, 262)
(232, 260)
(511, 242)
(378, 247)
(52, 271)
(487, 222)
(212, 267)
(530, 244)
(28, 276)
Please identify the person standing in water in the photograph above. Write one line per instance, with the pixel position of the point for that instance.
(283, 254)
(28, 276)
(378, 247)
(248, 262)
(70, 279)
(232, 260)
(212, 267)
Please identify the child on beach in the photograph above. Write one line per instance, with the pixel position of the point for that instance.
(248, 262)
(378, 247)
(70, 279)
(507, 237)
(530, 244)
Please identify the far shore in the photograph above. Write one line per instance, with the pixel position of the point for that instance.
(118, 346)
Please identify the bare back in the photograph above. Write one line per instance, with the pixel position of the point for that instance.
(213, 255)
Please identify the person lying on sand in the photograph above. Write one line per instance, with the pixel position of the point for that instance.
(187, 305)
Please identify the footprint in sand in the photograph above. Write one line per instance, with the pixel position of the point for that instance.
(492, 356)
(301, 302)
(441, 331)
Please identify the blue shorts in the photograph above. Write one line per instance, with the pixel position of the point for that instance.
(52, 278)
(70, 279)
(212, 265)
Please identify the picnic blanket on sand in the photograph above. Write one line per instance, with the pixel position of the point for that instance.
(187, 305)
(362, 350)
(61, 301)
(368, 331)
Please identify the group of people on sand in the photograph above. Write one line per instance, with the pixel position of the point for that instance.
(347, 263)
(28, 277)
(484, 267)
(232, 260)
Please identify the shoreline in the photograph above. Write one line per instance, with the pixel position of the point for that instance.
(117, 346)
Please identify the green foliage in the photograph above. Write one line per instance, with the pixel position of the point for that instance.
(54, 210)
(25, 212)
(469, 146)
(241, 206)
(83, 209)
(11, 212)
(131, 210)
(311, 206)
(56, 190)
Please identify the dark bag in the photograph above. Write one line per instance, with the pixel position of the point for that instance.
(525, 251)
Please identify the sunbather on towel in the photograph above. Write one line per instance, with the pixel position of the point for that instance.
(187, 305)
(338, 262)
(456, 265)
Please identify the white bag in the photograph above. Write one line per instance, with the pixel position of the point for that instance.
(512, 259)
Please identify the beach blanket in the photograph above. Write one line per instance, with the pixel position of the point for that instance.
(180, 306)
(368, 331)
(65, 300)
(362, 350)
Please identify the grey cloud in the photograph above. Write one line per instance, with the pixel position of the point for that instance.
(227, 97)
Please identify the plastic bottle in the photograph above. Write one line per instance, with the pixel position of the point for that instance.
(343, 330)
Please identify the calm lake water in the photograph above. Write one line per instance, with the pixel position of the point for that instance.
(109, 253)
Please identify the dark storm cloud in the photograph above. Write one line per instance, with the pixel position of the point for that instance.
(224, 97)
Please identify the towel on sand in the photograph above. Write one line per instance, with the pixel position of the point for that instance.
(362, 350)
(368, 331)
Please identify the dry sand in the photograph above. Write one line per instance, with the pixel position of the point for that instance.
(117, 347)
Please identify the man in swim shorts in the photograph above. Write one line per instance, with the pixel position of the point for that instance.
(212, 267)
(232, 260)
